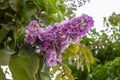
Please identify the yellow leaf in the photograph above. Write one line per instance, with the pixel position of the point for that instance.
(70, 76)
(73, 48)
(78, 61)
(90, 56)
(67, 55)
(59, 76)
(87, 54)
(63, 78)
(83, 50)
(88, 66)
(55, 68)
(67, 69)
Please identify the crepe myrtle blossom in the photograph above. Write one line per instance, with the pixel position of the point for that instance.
(51, 58)
(57, 37)
(33, 29)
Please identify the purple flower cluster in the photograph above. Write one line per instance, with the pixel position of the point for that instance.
(56, 38)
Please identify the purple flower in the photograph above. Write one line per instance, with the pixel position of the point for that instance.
(33, 31)
(51, 61)
(59, 58)
(51, 57)
(33, 26)
(30, 39)
(75, 39)
(58, 36)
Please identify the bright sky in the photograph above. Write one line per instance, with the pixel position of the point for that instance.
(99, 9)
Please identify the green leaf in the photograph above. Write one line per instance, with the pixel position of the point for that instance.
(114, 19)
(45, 75)
(7, 48)
(2, 76)
(40, 3)
(3, 33)
(24, 67)
(4, 5)
(59, 17)
(17, 71)
(14, 4)
(29, 10)
(20, 40)
(51, 8)
(61, 7)
(4, 58)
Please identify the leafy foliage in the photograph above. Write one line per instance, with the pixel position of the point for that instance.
(110, 70)
(104, 46)
(26, 66)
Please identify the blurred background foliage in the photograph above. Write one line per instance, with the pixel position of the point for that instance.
(104, 46)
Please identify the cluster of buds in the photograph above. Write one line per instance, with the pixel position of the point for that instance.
(57, 37)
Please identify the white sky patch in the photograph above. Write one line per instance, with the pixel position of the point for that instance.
(99, 9)
(7, 72)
